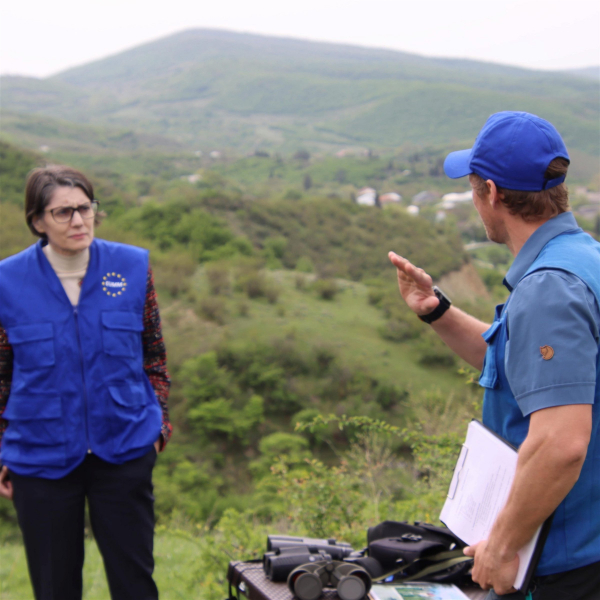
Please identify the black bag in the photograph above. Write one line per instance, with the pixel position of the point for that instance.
(418, 552)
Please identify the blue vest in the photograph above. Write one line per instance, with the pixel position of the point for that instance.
(574, 539)
(78, 381)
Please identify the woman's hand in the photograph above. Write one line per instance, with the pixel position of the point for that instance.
(158, 444)
(6, 488)
(416, 286)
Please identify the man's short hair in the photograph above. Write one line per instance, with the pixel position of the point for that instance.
(532, 206)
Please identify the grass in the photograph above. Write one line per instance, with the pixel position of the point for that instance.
(348, 325)
(175, 571)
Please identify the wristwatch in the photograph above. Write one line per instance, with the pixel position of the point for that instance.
(440, 309)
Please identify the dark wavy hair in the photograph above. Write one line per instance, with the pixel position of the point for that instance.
(42, 183)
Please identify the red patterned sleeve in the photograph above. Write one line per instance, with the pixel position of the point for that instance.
(155, 356)
(6, 368)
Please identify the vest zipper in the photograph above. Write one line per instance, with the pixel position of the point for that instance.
(85, 402)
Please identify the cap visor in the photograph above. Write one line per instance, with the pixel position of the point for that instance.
(457, 164)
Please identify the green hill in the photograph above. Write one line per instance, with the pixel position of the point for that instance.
(213, 89)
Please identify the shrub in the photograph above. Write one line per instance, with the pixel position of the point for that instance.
(375, 296)
(172, 271)
(326, 288)
(292, 195)
(400, 331)
(243, 308)
(253, 283)
(324, 357)
(389, 396)
(202, 379)
(324, 501)
(491, 278)
(212, 308)
(300, 281)
(432, 352)
(222, 417)
(218, 279)
(305, 265)
(316, 433)
(288, 447)
(272, 292)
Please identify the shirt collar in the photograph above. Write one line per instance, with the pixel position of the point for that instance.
(533, 246)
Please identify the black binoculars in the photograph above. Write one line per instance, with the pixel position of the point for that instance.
(351, 581)
(337, 550)
(279, 563)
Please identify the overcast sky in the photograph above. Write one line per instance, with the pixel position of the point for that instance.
(42, 37)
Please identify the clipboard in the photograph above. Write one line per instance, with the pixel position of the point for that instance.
(480, 484)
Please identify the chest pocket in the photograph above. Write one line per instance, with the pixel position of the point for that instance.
(494, 339)
(121, 333)
(33, 345)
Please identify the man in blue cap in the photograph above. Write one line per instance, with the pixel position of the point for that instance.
(540, 359)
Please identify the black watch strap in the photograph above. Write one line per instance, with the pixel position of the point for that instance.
(440, 309)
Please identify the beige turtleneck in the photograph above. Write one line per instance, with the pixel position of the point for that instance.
(69, 269)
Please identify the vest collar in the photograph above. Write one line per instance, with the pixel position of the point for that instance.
(533, 246)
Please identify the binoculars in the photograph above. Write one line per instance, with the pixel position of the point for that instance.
(351, 581)
(337, 550)
(278, 564)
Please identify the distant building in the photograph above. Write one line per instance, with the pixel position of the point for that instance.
(215, 154)
(367, 197)
(454, 198)
(413, 210)
(389, 198)
(592, 197)
(590, 211)
(425, 197)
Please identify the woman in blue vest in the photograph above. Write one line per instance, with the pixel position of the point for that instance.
(83, 393)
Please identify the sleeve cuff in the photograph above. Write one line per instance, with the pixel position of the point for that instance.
(557, 395)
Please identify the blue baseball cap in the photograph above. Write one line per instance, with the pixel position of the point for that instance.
(514, 150)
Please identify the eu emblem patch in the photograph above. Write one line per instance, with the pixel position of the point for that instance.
(113, 284)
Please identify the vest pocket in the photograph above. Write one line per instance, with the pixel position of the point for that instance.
(35, 434)
(121, 333)
(489, 373)
(33, 345)
(129, 395)
(128, 416)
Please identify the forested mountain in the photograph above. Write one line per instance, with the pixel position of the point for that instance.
(214, 89)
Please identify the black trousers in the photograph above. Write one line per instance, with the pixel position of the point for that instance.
(121, 506)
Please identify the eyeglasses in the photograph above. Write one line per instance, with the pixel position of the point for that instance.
(64, 214)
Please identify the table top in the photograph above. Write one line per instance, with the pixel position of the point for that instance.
(252, 581)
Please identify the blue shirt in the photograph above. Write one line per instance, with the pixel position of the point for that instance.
(545, 309)
(554, 368)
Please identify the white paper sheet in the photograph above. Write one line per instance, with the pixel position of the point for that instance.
(479, 489)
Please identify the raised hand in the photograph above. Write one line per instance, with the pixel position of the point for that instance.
(416, 286)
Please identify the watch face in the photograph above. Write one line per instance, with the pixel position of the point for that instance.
(441, 296)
